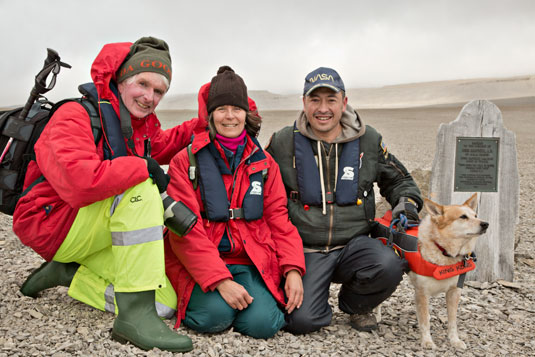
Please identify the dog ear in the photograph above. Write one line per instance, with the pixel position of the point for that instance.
(434, 209)
(472, 202)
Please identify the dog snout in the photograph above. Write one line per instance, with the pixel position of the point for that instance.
(484, 226)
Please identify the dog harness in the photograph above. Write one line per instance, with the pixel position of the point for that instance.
(405, 243)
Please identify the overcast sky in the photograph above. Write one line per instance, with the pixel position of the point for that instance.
(273, 44)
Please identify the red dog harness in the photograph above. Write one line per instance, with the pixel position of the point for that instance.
(405, 243)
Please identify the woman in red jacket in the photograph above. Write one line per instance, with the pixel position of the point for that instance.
(227, 271)
(97, 217)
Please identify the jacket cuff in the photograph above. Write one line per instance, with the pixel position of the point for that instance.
(286, 269)
(213, 286)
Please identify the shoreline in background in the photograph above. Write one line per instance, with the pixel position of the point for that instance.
(518, 116)
(406, 95)
(409, 95)
(522, 101)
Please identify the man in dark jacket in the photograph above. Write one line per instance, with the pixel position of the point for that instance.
(329, 162)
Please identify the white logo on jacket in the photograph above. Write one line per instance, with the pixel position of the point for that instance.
(257, 188)
(348, 173)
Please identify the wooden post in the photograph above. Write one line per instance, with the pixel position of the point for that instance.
(495, 249)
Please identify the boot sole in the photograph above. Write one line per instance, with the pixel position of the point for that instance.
(122, 339)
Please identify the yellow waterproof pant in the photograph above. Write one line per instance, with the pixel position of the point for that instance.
(118, 243)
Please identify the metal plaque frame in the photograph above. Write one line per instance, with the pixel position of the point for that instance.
(476, 164)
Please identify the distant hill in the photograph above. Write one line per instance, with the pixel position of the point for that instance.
(395, 96)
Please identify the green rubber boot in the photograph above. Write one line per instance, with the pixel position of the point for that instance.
(49, 275)
(139, 323)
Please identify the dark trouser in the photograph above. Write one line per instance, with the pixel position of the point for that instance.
(209, 313)
(368, 271)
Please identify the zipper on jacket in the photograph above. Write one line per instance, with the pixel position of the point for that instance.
(397, 168)
(234, 177)
(230, 239)
(148, 148)
(329, 189)
(255, 149)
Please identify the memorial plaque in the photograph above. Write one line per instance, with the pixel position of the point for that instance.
(476, 164)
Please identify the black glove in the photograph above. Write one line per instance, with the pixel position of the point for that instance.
(159, 177)
(408, 207)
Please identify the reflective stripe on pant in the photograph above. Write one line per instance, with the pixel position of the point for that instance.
(91, 289)
(120, 240)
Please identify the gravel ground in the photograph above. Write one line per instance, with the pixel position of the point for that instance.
(495, 318)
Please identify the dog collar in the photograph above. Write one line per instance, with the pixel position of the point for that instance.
(469, 256)
(444, 252)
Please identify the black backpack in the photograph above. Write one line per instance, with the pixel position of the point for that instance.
(21, 127)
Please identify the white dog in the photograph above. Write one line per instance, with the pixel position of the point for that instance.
(446, 237)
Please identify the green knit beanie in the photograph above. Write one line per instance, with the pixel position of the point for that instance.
(148, 54)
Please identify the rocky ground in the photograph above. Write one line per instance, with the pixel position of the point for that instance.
(495, 318)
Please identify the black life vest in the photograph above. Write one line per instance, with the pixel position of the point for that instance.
(308, 177)
(217, 207)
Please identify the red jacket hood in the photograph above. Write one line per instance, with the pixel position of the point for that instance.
(103, 71)
(106, 64)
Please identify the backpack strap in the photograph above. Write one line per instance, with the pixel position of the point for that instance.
(94, 117)
(193, 168)
(92, 111)
(29, 188)
(96, 128)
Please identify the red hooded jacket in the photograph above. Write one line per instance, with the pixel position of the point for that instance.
(75, 171)
(272, 242)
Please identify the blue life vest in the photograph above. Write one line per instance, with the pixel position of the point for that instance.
(214, 194)
(110, 120)
(308, 177)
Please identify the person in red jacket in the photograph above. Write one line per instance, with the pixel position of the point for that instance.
(97, 217)
(227, 271)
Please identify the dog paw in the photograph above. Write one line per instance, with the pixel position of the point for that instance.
(428, 344)
(458, 344)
